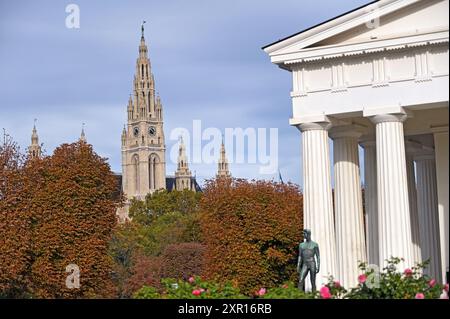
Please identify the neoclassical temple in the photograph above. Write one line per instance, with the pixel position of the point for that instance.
(375, 77)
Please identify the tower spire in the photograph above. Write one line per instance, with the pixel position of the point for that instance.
(222, 165)
(142, 28)
(183, 175)
(83, 135)
(34, 149)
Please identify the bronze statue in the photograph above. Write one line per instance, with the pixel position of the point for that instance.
(308, 253)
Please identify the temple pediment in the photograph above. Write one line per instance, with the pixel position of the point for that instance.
(369, 25)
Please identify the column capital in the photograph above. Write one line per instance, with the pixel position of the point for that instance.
(439, 129)
(313, 126)
(424, 156)
(311, 122)
(383, 118)
(366, 143)
(343, 131)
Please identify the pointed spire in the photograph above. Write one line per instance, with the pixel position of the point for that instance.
(34, 149)
(183, 176)
(34, 135)
(183, 167)
(83, 135)
(142, 28)
(142, 46)
(222, 166)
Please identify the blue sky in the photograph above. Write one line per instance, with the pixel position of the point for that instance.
(206, 58)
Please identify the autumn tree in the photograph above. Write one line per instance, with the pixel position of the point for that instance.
(162, 202)
(73, 212)
(146, 271)
(15, 222)
(161, 220)
(182, 260)
(251, 231)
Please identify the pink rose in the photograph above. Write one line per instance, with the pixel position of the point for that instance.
(196, 292)
(408, 272)
(191, 280)
(261, 292)
(420, 295)
(446, 287)
(325, 292)
(432, 283)
(202, 290)
(362, 278)
(337, 284)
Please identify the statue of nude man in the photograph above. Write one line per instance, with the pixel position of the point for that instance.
(308, 260)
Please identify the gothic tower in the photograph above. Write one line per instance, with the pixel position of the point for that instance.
(222, 165)
(183, 176)
(143, 146)
(83, 135)
(34, 149)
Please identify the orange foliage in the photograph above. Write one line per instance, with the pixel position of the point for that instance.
(146, 271)
(15, 237)
(251, 231)
(64, 215)
(182, 260)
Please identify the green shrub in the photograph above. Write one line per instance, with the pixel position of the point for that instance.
(287, 291)
(147, 292)
(194, 288)
(393, 284)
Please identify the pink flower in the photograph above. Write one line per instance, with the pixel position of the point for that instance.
(325, 292)
(337, 284)
(420, 295)
(202, 290)
(432, 283)
(261, 292)
(446, 287)
(408, 272)
(196, 292)
(362, 278)
(191, 280)
(285, 286)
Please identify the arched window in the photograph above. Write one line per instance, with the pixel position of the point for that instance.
(153, 171)
(142, 70)
(135, 174)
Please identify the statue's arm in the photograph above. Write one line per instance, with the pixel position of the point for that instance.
(317, 257)
(299, 263)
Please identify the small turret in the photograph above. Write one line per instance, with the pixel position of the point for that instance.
(83, 135)
(34, 149)
(222, 165)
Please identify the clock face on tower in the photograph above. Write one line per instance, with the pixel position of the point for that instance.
(136, 131)
(152, 131)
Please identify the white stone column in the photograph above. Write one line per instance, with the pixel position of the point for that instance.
(427, 203)
(413, 213)
(393, 204)
(370, 201)
(441, 146)
(350, 241)
(317, 200)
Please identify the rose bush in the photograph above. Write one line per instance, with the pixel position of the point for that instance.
(193, 288)
(391, 283)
